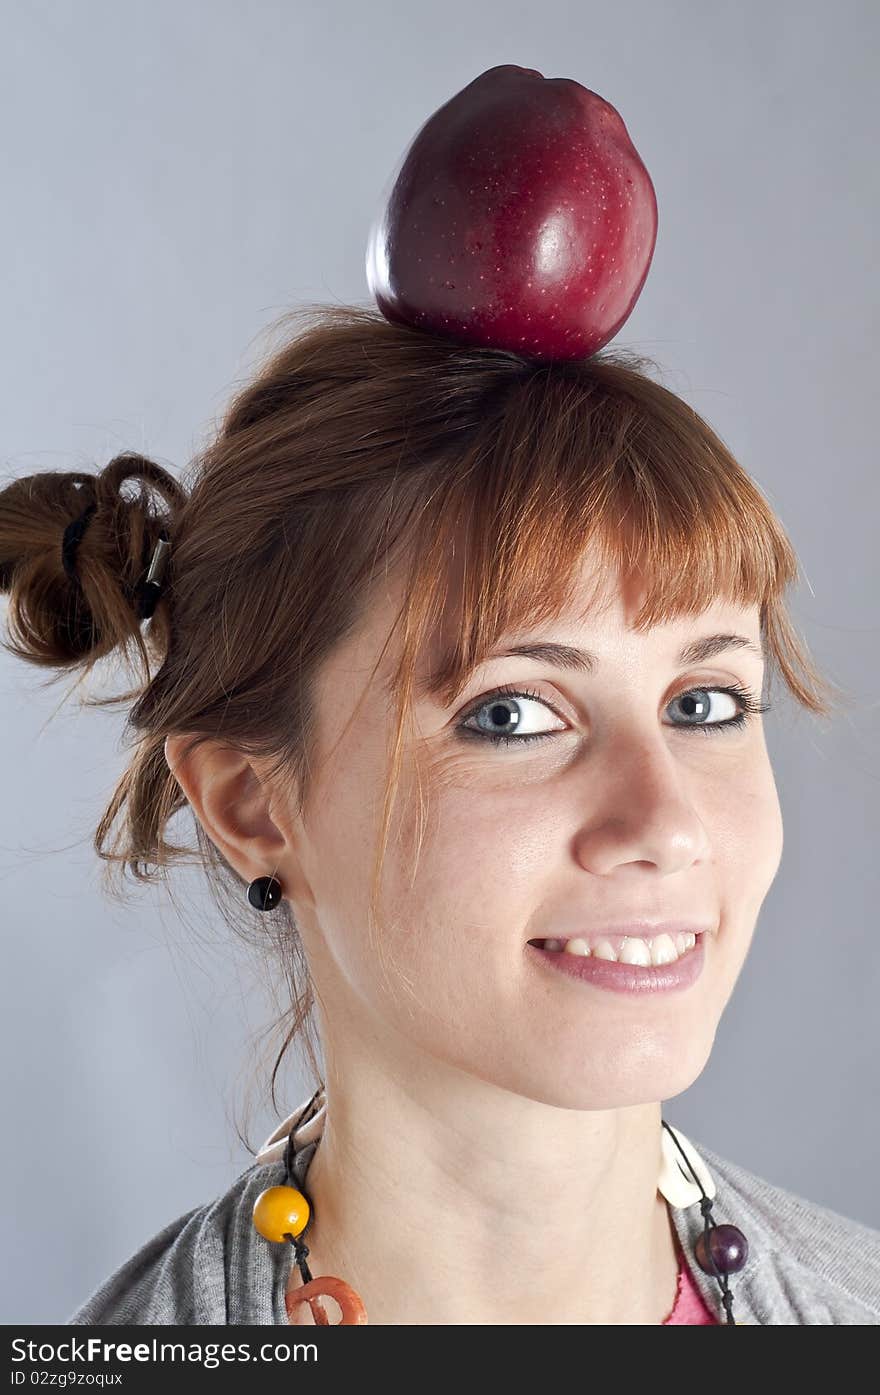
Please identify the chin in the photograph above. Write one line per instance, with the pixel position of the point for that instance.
(608, 1080)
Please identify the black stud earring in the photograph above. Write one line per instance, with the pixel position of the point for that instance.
(264, 893)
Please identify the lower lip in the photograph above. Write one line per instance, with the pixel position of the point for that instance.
(628, 978)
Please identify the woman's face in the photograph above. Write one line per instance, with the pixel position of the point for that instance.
(629, 808)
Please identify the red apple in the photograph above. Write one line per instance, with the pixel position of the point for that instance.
(522, 218)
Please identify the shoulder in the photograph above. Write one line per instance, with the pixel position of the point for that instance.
(808, 1264)
(209, 1266)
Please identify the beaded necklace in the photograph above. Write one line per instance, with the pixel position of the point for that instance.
(282, 1214)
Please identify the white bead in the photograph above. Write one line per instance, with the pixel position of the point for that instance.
(676, 1183)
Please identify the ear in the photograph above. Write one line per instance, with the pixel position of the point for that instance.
(233, 805)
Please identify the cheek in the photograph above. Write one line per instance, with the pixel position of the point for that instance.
(455, 910)
(337, 856)
(453, 916)
(746, 834)
(458, 885)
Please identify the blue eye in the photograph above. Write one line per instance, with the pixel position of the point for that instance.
(696, 702)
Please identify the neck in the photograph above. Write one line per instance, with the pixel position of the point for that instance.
(444, 1200)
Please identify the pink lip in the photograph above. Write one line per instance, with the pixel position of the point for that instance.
(628, 978)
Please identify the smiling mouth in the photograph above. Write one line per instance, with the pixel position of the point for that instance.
(626, 949)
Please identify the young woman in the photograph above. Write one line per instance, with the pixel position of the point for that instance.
(460, 664)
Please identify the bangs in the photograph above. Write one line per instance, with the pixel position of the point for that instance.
(570, 466)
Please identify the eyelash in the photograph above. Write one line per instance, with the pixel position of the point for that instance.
(749, 703)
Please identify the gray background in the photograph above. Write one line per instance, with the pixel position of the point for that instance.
(176, 175)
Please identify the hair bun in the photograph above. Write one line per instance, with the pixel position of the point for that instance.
(71, 602)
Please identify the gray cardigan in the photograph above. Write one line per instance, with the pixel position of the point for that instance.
(807, 1265)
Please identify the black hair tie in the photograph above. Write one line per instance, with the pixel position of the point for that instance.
(147, 591)
(72, 537)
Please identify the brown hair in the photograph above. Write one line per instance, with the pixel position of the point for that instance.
(356, 441)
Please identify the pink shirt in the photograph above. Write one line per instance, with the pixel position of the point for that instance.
(689, 1310)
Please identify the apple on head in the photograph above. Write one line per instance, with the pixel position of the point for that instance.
(521, 218)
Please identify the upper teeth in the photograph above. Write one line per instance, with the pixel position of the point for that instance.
(659, 949)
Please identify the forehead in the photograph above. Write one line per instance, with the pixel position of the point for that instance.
(597, 617)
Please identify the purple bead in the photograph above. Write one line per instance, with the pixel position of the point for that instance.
(729, 1249)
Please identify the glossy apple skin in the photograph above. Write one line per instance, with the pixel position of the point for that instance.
(521, 218)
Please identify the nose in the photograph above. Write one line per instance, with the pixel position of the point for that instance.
(639, 811)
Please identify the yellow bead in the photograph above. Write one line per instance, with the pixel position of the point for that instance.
(280, 1211)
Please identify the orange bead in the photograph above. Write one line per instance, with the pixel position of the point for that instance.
(280, 1211)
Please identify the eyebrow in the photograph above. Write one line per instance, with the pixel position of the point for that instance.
(567, 656)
